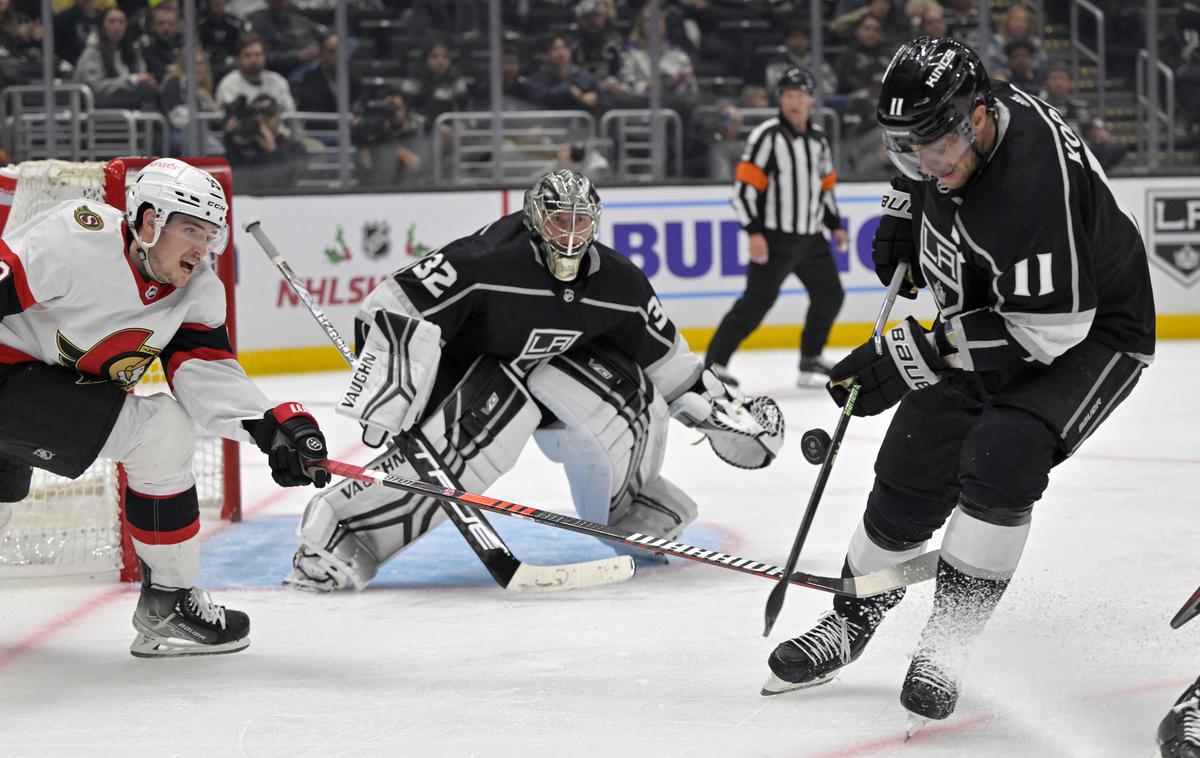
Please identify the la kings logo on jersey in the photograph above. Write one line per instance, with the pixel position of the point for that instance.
(1174, 233)
(543, 344)
(942, 266)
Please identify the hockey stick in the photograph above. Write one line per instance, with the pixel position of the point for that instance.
(510, 572)
(775, 600)
(1188, 612)
(918, 569)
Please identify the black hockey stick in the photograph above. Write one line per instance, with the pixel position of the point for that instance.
(1188, 612)
(919, 569)
(775, 600)
(510, 572)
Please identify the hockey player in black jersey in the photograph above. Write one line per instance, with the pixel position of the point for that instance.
(529, 327)
(1046, 320)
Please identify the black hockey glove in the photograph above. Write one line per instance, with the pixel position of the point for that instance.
(909, 362)
(289, 435)
(893, 240)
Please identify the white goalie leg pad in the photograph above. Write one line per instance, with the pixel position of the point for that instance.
(611, 430)
(155, 440)
(394, 373)
(983, 550)
(865, 557)
(467, 442)
(660, 509)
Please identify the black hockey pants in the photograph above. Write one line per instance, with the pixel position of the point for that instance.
(808, 257)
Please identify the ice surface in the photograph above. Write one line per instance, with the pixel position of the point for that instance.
(435, 660)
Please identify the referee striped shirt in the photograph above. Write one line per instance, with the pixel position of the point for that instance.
(785, 180)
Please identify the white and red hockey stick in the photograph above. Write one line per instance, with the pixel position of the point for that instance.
(918, 569)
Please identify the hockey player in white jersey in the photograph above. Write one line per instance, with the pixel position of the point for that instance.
(528, 328)
(89, 297)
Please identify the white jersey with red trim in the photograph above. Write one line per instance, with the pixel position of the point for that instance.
(71, 296)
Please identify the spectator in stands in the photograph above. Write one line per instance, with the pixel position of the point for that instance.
(20, 45)
(1187, 75)
(1018, 70)
(174, 97)
(560, 84)
(218, 33)
(251, 78)
(962, 19)
(893, 27)
(597, 47)
(292, 41)
(1057, 93)
(933, 22)
(725, 145)
(73, 27)
(161, 44)
(674, 66)
(454, 18)
(392, 149)
(114, 70)
(1016, 26)
(437, 88)
(261, 150)
(799, 54)
(754, 96)
(863, 58)
(518, 95)
(318, 88)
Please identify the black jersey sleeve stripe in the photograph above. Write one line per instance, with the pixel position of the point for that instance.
(195, 342)
(15, 295)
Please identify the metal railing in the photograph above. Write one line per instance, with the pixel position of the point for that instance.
(1147, 77)
(23, 115)
(1096, 55)
(631, 131)
(464, 144)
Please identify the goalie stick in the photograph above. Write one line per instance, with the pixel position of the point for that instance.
(510, 572)
(918, 569)
(1188, 612)
(775, 600)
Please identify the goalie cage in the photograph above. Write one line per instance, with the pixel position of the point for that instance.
(77, 527)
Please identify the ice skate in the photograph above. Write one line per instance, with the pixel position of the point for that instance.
(814, 372)
(930, 690)
(176, 622)
(1179, 732)
(816, 656)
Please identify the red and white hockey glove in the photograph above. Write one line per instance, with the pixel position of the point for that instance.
(293, 442)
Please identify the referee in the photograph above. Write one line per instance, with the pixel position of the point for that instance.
(783, 197)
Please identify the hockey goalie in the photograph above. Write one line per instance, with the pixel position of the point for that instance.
(527, 328)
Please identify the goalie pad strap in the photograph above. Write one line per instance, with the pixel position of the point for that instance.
(394, 373)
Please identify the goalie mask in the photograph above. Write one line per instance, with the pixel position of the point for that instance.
(171, 186)
(562, 214)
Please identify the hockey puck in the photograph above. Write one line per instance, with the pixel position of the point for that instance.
(815, 446)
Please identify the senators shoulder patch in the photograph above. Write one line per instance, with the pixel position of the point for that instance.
(88, 218)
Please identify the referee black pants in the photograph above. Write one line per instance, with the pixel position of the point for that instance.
(809, 258)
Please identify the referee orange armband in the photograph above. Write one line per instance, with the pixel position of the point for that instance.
(748, 173)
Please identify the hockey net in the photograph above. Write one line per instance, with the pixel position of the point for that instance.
(76, 527)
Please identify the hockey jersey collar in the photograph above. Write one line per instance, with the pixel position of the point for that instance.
(149, 290)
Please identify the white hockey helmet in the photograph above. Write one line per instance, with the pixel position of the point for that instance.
(171, 186)
(562, 214)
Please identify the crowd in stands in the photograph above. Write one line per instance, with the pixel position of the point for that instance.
(260, 60)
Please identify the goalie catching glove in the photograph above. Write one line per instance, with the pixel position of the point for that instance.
(744, 432)
(910, 361)
(393, 376)
(294, 444)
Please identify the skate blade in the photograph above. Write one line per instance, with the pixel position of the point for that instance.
(915, 724)
(298, 580)
(808, 380)
(776, 686)
(150, 646)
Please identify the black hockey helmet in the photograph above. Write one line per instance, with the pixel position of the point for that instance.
(796, 77)
(929, 91)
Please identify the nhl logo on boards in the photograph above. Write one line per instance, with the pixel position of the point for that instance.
(88, 219)
(376, 239)
(1173, 234)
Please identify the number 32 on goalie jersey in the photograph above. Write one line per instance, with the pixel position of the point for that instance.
(436, 273)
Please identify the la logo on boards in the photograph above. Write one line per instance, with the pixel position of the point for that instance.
(1173, 232)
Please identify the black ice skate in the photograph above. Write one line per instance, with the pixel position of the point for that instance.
(814, 371)
(1179, 732)
(816, 656)
(175, 622)
(930, 690)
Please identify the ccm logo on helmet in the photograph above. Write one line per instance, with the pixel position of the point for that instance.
(940, 67)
